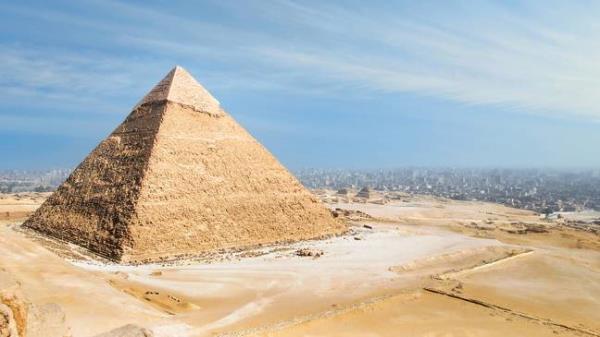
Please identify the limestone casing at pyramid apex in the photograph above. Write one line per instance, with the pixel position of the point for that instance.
(179, 86)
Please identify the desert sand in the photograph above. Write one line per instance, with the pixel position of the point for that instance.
(420, 266)
(19, 206)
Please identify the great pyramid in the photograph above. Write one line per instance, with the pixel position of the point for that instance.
(180, 177)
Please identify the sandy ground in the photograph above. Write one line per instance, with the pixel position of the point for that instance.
(480, 219)
(18, 206)
(427, 267)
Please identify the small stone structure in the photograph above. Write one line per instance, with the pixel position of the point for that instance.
(367, 193)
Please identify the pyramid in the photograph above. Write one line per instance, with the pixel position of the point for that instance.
(180, 177)
(366, 192)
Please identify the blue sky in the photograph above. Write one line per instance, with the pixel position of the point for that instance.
(322, 84)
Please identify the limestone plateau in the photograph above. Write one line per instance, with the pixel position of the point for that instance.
(180, 177)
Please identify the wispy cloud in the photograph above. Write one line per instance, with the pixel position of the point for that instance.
(490, 55)
(534, 57)
(38, 77)
(53, 125)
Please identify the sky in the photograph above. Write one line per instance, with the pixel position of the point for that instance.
(322, 84)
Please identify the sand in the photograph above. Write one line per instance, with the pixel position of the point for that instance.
(18, 206)
(422, 269)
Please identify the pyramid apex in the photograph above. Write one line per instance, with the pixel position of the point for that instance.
(179, 86)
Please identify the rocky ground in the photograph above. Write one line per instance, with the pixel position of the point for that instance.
(416, 266)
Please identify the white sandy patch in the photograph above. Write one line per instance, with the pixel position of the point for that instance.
(248, 310)
(345, 260)
(172, 330)
(349, 268)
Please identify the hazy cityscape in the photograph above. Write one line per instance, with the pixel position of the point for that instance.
(543, 191)
(540, 190)
(15, 181)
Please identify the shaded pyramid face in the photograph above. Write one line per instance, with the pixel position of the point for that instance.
(180, 177)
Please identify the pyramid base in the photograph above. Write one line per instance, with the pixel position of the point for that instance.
(139, 259)
(132, 258)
